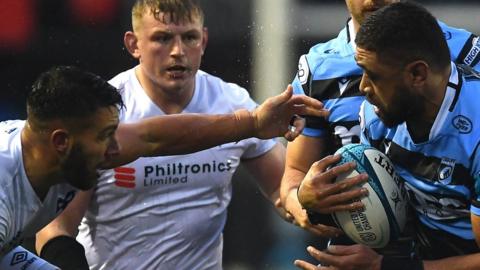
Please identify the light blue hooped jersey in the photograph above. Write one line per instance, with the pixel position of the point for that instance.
(442, 173)
(330, 74)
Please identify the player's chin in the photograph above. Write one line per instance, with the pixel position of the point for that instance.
(388, 120)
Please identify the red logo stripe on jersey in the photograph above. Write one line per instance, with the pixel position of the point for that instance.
(124, 177)
(125, 184)
(124, 170)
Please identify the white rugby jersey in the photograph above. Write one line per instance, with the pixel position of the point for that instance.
(22, 213)
(167, 212)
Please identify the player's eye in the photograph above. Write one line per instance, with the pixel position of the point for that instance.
(164, 39)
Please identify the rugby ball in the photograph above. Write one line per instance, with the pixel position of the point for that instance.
(384, 215)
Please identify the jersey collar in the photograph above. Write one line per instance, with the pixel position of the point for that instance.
(351, 34)
(449, 101)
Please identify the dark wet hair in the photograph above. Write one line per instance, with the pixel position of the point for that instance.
(404, 32)
(67, 92)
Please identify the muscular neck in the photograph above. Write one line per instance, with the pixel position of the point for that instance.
(433, 97)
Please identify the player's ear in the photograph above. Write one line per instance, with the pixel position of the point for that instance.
(130, 41)
(417, 72)
(204, 39)
(60, 138)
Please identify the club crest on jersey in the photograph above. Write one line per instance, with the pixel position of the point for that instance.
(462, 124)
(445, 171)
(303, 69)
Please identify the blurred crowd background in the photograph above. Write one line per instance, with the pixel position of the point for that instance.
(254, 43)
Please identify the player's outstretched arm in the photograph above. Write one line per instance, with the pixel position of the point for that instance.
(187, 133)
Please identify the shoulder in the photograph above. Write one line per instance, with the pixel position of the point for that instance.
(453, 33)
(464, 45)
(129, 88)
(10, 146)
(468, 97)
(464, 114)
(10, 155)
(217, 91)
(323, 66)
(122, 79)
(332, 59)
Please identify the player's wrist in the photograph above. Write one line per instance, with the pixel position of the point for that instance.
(290, 198)
(244, 124)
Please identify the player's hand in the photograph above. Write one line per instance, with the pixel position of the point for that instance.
(282, 212)
(319, 193)
(300, 218)
(278, 115)
(355, 257)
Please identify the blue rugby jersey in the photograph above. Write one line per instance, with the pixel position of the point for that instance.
(442, 174)
(330, 74)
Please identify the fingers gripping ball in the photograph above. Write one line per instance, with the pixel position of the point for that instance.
(384, 215)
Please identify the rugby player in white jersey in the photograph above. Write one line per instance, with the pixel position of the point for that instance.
(169, 212)
(72, 129)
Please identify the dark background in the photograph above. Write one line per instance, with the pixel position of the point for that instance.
(37, 34)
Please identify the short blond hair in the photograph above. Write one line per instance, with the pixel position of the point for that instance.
(176, 10)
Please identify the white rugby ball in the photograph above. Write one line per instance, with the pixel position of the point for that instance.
(385, 213)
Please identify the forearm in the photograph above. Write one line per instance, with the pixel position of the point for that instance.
(290, 182)
(65, 224)
(52, 230)
(179, 134)
(56, 242)
(188, 133)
